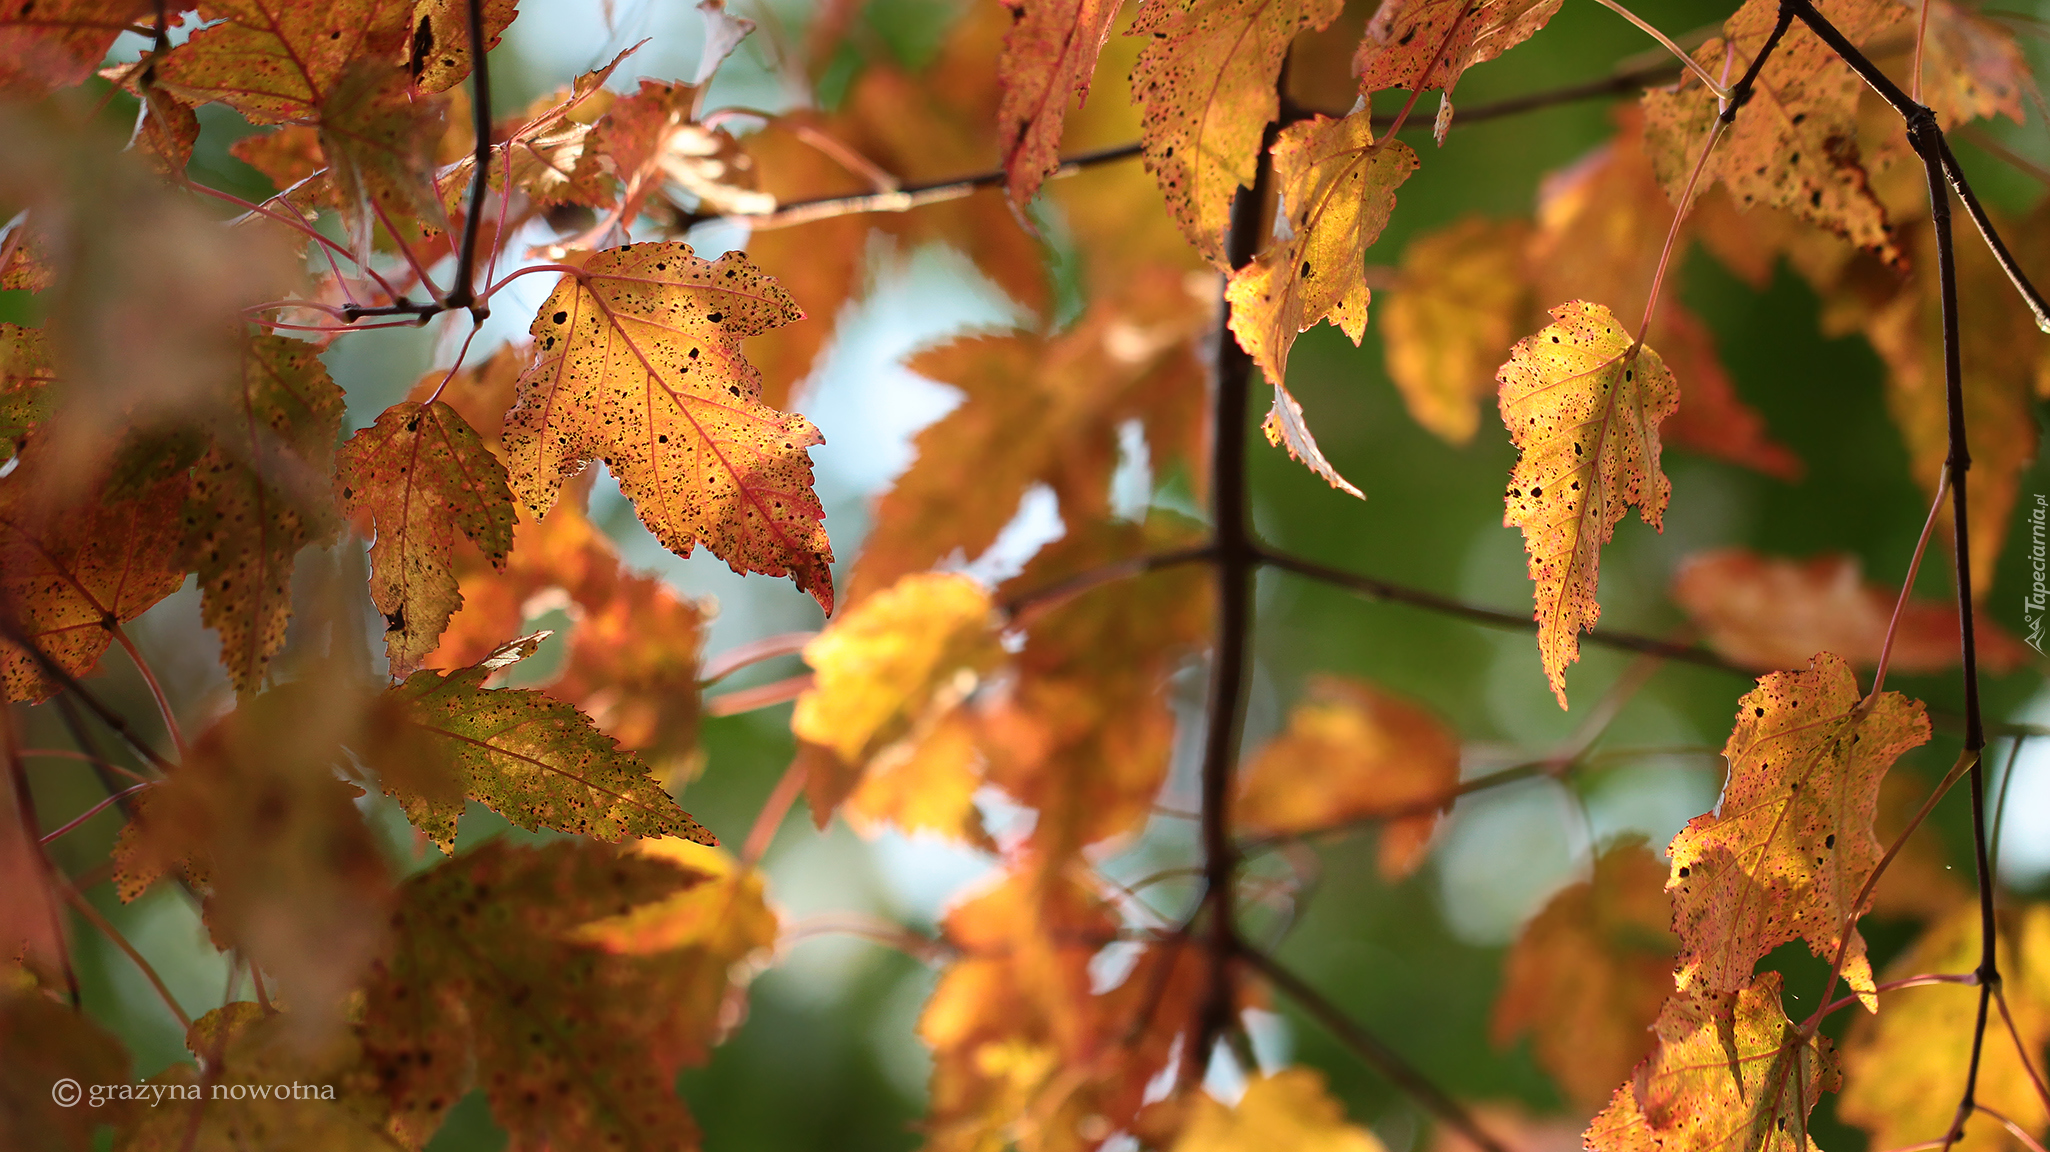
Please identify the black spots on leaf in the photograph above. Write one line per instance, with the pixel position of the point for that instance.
(733, 388)
(1684, 870)
(395, 620)
(1759, 711)
(718, 317)
(1555, 339)
(662, 439)
(559, 317)
(693, 353)
(1829, 841)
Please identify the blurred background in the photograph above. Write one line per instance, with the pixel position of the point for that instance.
(827, 1056)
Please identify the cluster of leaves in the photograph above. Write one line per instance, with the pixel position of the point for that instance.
(570, 981)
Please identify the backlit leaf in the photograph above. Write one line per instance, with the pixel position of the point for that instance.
(439, 53)
(278, 60)
(1588, 975)
(25, 378)
(1353, 751)
(1338, 188)
(1288, 1111)
(418, 477)
(1458, 301)
(637, 362)
(1049, 57)
(1973, 69)
(47, 44)
(1732, 1074)
(1206, 81)
(1582, 402)
(1424, 44)
(1784, 854)
(1766, 612)
(378, 138)
(930, 788)
(1793, 145)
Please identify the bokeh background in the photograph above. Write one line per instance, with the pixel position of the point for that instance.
(827, 1056)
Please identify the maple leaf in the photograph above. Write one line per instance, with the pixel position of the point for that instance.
(488, 984)
(1766, 612)
(652, 137)
(1353, 751)
(50, 44)
(1338, 186)
(1900, 1064)
(1206, 82)
(533, 759)
(1288, 1111)
(1582, 402)
(418, 476)
(285, 155)
(880, 669)
(1049, 57)
(1588, 975)
(1793, 145)
(1459, 300)
(72, 572)
(1731, 1072)
(279, 60)
(378, 138)
(637, 361)
(30, 915)
(1973, 69)
(1786, 851)
(45, 1044)
(439, 55)
(1425, 44)
(930, 788)
(260, 493)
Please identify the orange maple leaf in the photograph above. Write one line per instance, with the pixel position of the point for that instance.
(1459, 300)
(1049, 57)
(280, 60)
(1424, 44)
(49, 44)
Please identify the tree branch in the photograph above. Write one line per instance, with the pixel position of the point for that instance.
(1081, 582)
(464, 294)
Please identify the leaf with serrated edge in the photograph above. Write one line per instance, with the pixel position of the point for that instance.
(418, 476)
(637, 362)
(1049, 56)
(1786, 851)
(1206, 81)
(1582, 402)
(533, 759)
(438, 55)
(1732, 1074)
(278, 60)
(1425, 44)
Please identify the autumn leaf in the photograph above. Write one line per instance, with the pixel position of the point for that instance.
(637, 362)
(1353, 751)
(280, 60)
(1288, 1111)
(1793, 145)
(1787, 850)
(1206, 81)
(43, 1044)
(439, 55)
(1338, 187)
(651, 141)
(1049, 57)
(1732, 1073)
(1458, 301)
(71, 573)
(418, 477)
(1589, 974)
(1425, 44)
(533, 759)
(930, 788)
(883, 668)
(1766, 612)
(1973, 69)
(259, 494)
(487, 985)
(50, 44)
(1900, 1067)
(378, 139)
(1582, 402)
(285, 155)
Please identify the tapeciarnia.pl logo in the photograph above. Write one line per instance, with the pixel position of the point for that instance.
(2038, 599)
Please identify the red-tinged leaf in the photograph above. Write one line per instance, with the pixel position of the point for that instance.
(1586, 978)
(418, 477)
(1338, 189)
(1049, 58)
(1424, 44)
(1459, 300)
(1787, 850)
(26, 376)
(1288, 1111)
(263, 491)
(533, 759)
(891, 665)
(1207, 82)
(1583, 403)
(32, 916)
(285, 156)
(279, 60)
(50, 44)
(1793, 145)
(71, 572)
(1732, 1074)
(637, 362)
(42, 1045)
(549, 149)
(1900, 1066)
(1766, 612)
(489, 986)
(166, 132)
(1354, 752)
(930, 788)
(438, 57)
(1974, 69)
(653, 145)
(378, 137)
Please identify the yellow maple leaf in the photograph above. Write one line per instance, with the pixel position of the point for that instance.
(1582, 402)
(1785, 853)
(1732, 1074)
(1286, 1112)
(637, 363)
(1459, 298)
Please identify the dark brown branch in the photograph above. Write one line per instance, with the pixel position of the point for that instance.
(1370, 1049)
(464, 294)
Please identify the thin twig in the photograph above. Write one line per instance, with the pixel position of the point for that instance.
(92, 915)
(2021, 1049)
(1900, 603)
(1835, 1006)
(2020, 1133)
(464, 294)
(753, 652)
(95, 810)
(760, 696)
(1679, 53)
(11, 631)
(1017, 606)
(156, 689)
(25, 813)
(774, 809)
